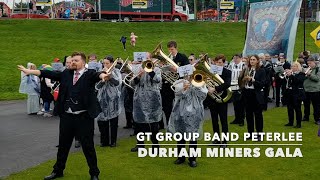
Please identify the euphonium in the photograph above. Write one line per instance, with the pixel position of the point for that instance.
(158, 53)
(202, 75)
(108, 71)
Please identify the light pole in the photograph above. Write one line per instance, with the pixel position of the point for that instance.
(195, 10)
(242, 10)
(119, 10)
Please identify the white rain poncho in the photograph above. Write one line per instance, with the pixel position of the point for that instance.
(188, 112)
(109, 97)
(30, 85)
(147, 106)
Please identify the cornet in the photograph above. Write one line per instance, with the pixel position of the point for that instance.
(285, 74)
(308, 70)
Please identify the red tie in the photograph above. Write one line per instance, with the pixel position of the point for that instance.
(76, 77)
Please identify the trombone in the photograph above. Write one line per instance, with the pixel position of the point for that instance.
(108, 71)
(147, 66)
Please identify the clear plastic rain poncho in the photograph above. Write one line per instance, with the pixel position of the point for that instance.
(187, 115)
(109, 97)
(147, 104)
(30, 84)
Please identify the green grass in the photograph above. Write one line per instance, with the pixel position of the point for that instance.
(40, 42)
(120, 163)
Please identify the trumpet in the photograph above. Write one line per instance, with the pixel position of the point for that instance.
(285, 74)
(108, 71)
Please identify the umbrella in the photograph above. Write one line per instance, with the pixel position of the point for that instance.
(45, 67)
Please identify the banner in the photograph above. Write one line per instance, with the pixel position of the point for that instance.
(272, 27)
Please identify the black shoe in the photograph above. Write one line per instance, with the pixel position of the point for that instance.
(113, 145)
(288, 124)
(234, 122)
(77, 144)
(179, 161)
(94, 178)
(241, 124)
(223, 145)
(103, 145)
(259, 139)
(193, 164)
(127, 127)
(135, 149)
(297, 126)
(249, 138)
(216, 142)
(53, 175)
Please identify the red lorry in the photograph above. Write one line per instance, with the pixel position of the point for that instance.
(145, 10)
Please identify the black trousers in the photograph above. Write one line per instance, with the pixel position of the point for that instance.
(81, 126)
(182, 144)
(314, 98)
(253, 111)
(104, 128)
(129, 118)
(219, 111)
(266, 95)
(124, 45)
(280, 85)
(148, 127)
(238, 106)
(294, 105)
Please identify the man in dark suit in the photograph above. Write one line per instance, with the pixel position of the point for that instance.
(166, 92)
(77, 107)
(220, 109)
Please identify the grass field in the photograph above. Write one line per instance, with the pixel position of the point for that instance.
(40, 42)
(120, 163)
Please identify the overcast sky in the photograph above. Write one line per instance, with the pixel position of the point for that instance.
(10, 2)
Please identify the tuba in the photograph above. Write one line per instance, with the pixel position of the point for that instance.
(108, 71)
(169, 76)
(202, 75)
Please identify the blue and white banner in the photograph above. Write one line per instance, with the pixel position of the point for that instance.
(272, 27)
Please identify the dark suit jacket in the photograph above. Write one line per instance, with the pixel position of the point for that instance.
(296, 82)
(166, 91)
(181, 59)
(259, 83)
(89, 78)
